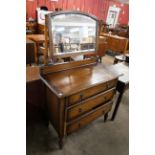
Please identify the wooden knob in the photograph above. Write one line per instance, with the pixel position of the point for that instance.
(81, 97)
(105, 98)
(80, 109)
(79, 125)
(108, 85)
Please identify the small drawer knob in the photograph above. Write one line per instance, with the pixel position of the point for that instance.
(80, 110)
(79, 125)
(108, 85)
(81, 97)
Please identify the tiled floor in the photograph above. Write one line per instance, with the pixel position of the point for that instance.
(97, 138)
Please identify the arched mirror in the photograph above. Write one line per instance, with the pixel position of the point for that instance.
(72, 33)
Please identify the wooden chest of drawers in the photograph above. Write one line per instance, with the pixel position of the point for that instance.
(77, 93)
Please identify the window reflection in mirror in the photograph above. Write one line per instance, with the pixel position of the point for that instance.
(73, 33)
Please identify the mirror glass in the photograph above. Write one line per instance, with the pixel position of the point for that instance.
(73, 33)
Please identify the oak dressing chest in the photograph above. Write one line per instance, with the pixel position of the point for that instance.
(77, 92)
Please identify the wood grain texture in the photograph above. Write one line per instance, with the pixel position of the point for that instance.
(90, 104)
(89, 118)
(82, 95)
(77, 93)
(75, 80)
(57, 67)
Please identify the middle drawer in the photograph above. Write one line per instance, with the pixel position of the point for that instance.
(89, 104)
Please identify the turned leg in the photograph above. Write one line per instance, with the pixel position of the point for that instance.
(105, 117)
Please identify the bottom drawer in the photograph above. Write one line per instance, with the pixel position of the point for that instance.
(75, 125)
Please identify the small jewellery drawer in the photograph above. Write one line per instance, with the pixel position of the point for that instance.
(73, 126)
(78, 97)
(89, 104)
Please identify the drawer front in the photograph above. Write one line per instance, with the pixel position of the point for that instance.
(78, 97)
(89, 118)
(89, 104)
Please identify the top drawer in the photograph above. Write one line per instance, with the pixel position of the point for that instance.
(78, 97)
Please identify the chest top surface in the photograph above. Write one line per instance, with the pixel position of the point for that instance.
(73, 80)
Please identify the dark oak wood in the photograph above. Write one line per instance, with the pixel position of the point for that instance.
(89, 104)
(82, 95)
(65, 66)
(77, 93)
(92, 115)
(65, 81)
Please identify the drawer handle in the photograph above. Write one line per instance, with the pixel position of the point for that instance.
(81, 97)
(108, 85)
(79, 125)
(80, 110)
(105, 98)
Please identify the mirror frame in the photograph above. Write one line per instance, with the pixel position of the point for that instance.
(48, 23)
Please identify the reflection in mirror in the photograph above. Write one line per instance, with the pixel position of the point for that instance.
(72, 33)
